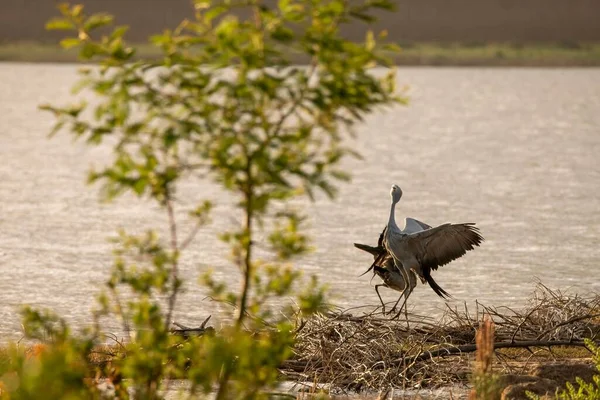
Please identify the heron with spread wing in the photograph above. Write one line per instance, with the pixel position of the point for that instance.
(385, 268)
(416, 252)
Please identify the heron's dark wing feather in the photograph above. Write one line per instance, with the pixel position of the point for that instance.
(374, 251)
(440, 245)
(381, 236)
(379, 253)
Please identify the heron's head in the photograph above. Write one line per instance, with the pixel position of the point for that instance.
(396, 193)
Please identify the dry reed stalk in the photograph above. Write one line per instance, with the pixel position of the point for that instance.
(485, 347)
(484, 357)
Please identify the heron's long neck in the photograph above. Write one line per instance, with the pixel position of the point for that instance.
(392, 220)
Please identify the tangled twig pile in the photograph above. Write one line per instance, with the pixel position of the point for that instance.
(369, 351)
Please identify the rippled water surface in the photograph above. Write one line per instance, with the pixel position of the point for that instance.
(514, 150)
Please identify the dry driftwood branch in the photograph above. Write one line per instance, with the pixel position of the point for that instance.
(187, 331)
(469, 348)
(569, 321)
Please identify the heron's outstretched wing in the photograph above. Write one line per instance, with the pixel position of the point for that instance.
(412, 225)
(438, 246)
(386, 264)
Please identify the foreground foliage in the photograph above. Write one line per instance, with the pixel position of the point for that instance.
(362, 350)
(223, 103)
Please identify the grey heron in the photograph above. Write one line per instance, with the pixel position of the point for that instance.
(384, 267)
(416, 253)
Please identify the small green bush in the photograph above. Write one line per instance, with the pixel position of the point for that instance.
(225, 104)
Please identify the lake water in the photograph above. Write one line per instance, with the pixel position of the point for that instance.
(515, 150)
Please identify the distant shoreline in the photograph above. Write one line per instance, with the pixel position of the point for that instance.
(412, 54)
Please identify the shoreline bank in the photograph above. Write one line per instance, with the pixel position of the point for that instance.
(412, 54)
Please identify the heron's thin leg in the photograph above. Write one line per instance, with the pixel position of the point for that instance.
(402, 271)
(404, 294)
(412, 283)
(407, 288)
(397, 301)
(380, 299)
(406, 314)
(404, 305)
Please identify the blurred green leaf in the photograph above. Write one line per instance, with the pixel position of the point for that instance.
(69, 43)
(202, 4)
(119, 32)
(96, 21)
(214, 12)
(62, 24)
(77, 10)
(370, 41)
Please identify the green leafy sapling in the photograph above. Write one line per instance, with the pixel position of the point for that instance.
(223, 103)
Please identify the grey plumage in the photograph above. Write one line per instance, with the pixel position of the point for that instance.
(417, 253)
(403, 255)
(383, 265)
